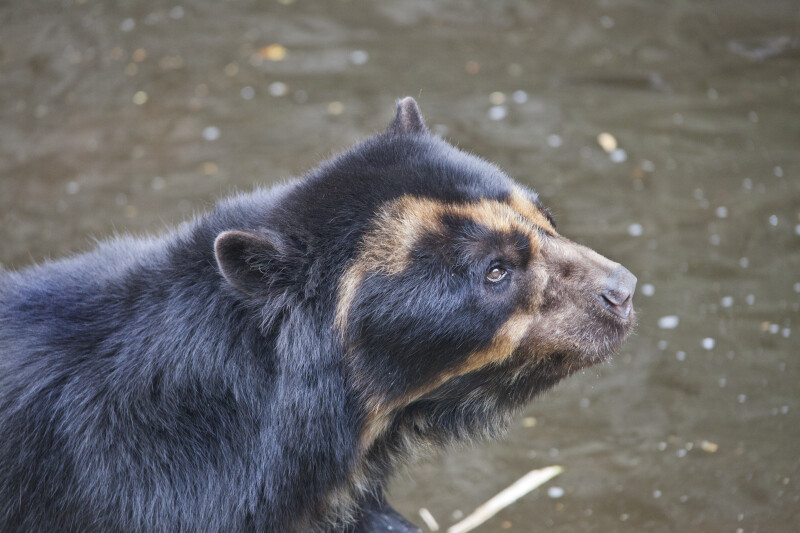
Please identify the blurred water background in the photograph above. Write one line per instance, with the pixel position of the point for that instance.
(664, 134)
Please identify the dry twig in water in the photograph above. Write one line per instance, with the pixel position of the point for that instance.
(506, 497)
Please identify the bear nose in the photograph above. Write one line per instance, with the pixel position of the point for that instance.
(618, 291)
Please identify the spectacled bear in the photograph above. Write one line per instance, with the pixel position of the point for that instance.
(267, 365)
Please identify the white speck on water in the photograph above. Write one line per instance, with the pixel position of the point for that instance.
(715, 239)
(797, 229)
(753, 116)
(553, 452)
(656, 494)
(519, 97)
(648, 289)
(158, 183)
(774, 329)
(248, 93)
(778, 171)
(797, 287)
(708, 343)
(618, 156)
(458, 514)
(73, 187)
(211, 133)
(662, 345)
(555, 492)
(750, 299)
(127, 24)
(698, 194)
(606, 22)
(747, 184)
(648, 166)
(684, 498)
(786, 332)
(554, 140)
(635, 229)
(741, 398)
(681, 452)
(498, 112)
(722, 382)
(773, 220)
(139, 98)
(497, 98)
(668, 322)
(726, 301)
(744, 262)
(624, 517)
(176, 13)
(712, 94)
(662, 446)
(722, 212)
(277, 88)
(680, 356)
(784, 409)
(358, 57)
(584, 403)
(607, 142)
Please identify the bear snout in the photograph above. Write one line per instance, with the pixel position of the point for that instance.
(617, 293)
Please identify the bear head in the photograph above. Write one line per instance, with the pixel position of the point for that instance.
(451, 296)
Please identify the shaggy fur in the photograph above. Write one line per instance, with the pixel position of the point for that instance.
(267, 365)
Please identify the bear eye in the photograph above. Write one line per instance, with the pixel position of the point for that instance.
(496, 274)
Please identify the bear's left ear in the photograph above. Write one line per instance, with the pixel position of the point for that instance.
(254, 263)
(408, 118)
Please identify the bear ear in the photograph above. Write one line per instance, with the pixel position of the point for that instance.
(408, 118)
(251, 262)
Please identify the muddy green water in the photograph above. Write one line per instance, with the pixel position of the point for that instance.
(130, 116)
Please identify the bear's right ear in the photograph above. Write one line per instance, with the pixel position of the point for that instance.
(251, 262)
(408, 118)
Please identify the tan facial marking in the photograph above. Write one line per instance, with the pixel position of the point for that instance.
(386, 247)
(519, 201)
(503, 344)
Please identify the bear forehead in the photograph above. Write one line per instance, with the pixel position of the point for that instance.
(382, 169)
(387, 247)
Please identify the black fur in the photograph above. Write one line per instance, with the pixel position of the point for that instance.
(196, 382)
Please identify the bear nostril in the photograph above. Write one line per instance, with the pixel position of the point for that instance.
(618, 292)
(621, 309)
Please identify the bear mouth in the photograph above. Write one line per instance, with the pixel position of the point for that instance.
(615, 330)
(594, 340)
